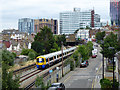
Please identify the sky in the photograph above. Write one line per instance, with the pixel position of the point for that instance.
(12, 10)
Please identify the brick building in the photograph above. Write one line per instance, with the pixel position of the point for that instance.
(39, 23)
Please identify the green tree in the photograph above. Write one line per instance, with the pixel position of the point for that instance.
(110, 41)
(27, 51)
(83, 49)
(46, 38)
(100, 36)
(38, 47)
(90, 47)
(14, 54)
(59, 39)
(7, 82)
(8, 57)
(76, 57)
(87, 27)
(39, 82)
(31, 55)
(106, 83)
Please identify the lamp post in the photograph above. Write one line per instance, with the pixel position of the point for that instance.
(103, 58)
(112, 48)
(62, 57)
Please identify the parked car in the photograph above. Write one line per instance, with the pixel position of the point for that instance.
(94, 56)
(57, 86)
(84, 64)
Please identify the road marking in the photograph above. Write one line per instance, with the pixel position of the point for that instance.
(95, 78)
(66, 79)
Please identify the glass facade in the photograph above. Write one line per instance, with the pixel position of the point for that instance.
(26, 25)
(115, 12)
(71, 21)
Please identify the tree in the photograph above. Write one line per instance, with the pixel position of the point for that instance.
(76, 57)
(8, 57)
(45, 37)
(90, 47)
(84, 52)
(14, 54)
(7, 82)
(106, 83)
(110, 41)
(59, 39)
(31, 55)
(38, 47)
(27, 51)
(39, 82)
(100, 36)
(87, 27)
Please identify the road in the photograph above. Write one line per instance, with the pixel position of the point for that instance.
(86, 77)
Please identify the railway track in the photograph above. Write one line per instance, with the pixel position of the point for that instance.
(23, 69)
(25, 77)
(44, 75)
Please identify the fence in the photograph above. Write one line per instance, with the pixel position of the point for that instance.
(56, 75)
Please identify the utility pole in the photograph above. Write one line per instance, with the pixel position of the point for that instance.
(103, 58)
(112, 48)
(62, 57)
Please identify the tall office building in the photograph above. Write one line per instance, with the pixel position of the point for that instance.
(71, 21)
(39, 23)
(26, 25)
(115, 12)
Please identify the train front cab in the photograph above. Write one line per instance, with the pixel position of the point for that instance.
(40, 62)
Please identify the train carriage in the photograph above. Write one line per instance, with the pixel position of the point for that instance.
(47, 60)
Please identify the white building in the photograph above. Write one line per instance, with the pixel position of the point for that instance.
(82, 34)
(71, 21)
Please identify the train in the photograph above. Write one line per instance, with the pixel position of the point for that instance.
(45, 61)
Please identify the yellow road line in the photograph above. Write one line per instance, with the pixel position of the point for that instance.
(66, 79)
(95, 78)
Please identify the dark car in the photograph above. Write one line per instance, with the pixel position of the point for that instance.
(84, 64)
(57, 86)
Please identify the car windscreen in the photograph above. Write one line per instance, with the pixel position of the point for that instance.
(55, 85)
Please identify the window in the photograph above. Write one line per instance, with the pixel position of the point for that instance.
(46, 59)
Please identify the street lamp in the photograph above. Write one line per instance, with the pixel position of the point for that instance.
(112, 48)
(62, 57)
(102, 42)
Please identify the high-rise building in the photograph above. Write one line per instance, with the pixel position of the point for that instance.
(115, 12)
(71, 21)
(26, 25)
(39, 23)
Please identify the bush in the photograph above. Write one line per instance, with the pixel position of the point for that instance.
(31, 55)
(72, 64)
(39, 82)
(14, 54)
(8, 57)
(106, 83)
(27, 51)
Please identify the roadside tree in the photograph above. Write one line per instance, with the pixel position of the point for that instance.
(110, 41)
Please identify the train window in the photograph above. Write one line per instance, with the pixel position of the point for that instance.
(46, 59)
(60, 55)
(40, 60)
(37, 59)
(51, 58)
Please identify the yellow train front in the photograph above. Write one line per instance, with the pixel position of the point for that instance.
(41, 62)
